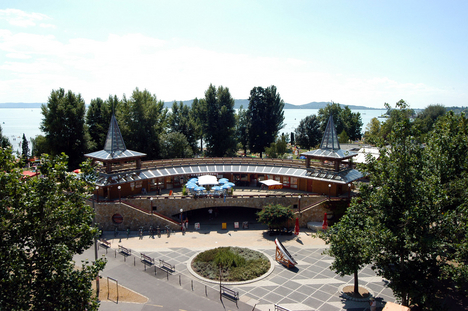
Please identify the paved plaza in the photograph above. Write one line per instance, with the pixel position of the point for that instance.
(309, 286)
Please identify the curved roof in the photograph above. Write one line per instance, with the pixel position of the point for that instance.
(342, 177)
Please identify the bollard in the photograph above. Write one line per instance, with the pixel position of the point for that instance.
(154, 270)
(206, 293)
(134, 261)
(192, 285)
(180, 284)
(167, 272)
(115, 254)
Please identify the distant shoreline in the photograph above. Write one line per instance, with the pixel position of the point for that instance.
(238, 103)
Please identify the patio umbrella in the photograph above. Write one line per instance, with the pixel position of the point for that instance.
(194, 180)
(190, 186)
(296, 227)
(223, 181)
(226, 186)
(199, 188)
(325, 222)
(230, 184)
(216, 188)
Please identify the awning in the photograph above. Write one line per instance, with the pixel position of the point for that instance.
(270, 182)
(207, 180)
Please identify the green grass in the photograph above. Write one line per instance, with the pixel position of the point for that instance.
(234, 263)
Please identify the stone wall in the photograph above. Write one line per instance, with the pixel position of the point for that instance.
(171, 206)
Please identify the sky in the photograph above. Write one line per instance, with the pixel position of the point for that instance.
(349, 52)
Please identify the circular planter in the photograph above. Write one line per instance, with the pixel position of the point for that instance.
(195, 274)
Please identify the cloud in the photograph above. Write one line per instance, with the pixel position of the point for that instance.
(173, 71)
(23, 19)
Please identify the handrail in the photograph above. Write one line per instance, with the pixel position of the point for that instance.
(154, 213)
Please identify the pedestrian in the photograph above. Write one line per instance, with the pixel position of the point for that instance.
(373, 304)
(210, 212)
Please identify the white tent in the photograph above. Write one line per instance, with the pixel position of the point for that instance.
(207, 180)
(270, 182)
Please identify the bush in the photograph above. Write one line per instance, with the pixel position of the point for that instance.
(237, 264)
(275, 216)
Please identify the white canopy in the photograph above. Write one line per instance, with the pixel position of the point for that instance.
(270, 182)
(207, 180)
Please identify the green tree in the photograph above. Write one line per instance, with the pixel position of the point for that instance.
(416, 222)
(220, 122)
(64, 125)
(39, 146)
(175, 145)
(198, 114)
(396, 115)
(308, 133)
(343, 118)
(98, 118)
(242, 130)
(181, 120)
(343, 137)
(4, 141)
(41, 232)
(275, 215)
(25, 148)
(372, 134)
(142, 118)
(349, 243)
(426, 119)
(266, 117)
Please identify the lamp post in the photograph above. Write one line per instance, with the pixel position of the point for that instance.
(151, 201)
(181, 220)
(329, 188)
(120, 198)
(349, 191)
(299, 209)
(97, 194)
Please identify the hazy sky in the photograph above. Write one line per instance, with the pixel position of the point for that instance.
(350, 52)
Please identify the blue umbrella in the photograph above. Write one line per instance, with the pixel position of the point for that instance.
(226, 186)
(302, 157)
(223, 181)
(190, 186)
(195, 180)
(230, 184)
(216, 188)
(200, 188)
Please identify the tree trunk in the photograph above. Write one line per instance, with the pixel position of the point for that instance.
(356, 283)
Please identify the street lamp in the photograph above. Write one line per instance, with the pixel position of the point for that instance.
(97, 193)
(299, 209)
(349, 191)
(329, 188)
(120, 199)
(151, 201)
(181, 220)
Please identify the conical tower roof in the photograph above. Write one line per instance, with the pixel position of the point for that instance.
(114, 147)
(330, 147)
(330, 138)
(114, 141)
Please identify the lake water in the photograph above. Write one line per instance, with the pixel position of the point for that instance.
(16, 121)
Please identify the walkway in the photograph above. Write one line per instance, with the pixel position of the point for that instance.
(312, 286)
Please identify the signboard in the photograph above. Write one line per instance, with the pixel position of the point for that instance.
(197, 226)
(236, 225)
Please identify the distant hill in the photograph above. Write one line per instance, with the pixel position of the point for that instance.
(238, 103)
(311, 105)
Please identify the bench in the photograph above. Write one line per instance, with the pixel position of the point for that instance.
(228, 293)
(280, 308)
(125, 251)
(166, 266)
(147, 260)
(104, 243)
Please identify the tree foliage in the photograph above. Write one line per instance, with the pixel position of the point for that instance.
(4, 141)
(98, 117)
(343, 118)
(308, 133)
(25, 148)
(181, 120)
(242, 130)
(416, 203)
(275, 215)
(175, 145)
(44, 222)
(64, 125)
(142, 118)
(266, 117)
(220, 122)
(372, 133)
